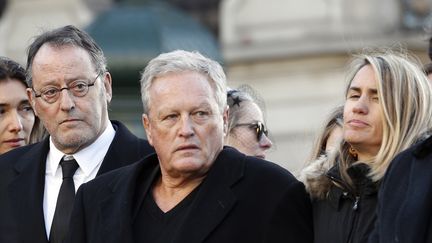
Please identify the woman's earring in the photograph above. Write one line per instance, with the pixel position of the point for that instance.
(352, 152)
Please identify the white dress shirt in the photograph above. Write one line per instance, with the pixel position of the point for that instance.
(89, 160)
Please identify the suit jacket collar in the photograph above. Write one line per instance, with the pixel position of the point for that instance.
(115, 156)
(215, 198)
(119, 202)
(26, 191)
(211, 205)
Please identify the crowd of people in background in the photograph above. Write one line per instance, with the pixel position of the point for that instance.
(70, 174)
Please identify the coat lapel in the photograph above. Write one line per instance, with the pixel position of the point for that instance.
(112, 159)
(116, 222)
(214, 199)
(125, 149)
(118, 208)
(26, 192)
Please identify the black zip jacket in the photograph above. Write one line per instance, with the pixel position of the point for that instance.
(347, 215)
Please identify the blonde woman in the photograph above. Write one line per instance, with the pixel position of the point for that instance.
(388, 107)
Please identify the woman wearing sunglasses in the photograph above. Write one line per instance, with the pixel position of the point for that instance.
(246, 126)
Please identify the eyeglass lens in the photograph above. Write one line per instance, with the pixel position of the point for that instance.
(260, 130)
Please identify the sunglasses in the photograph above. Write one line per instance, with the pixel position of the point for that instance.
(258, 127)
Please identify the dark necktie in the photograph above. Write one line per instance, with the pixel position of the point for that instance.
(65, 201)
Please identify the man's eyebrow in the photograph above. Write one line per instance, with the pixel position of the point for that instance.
(24, 101)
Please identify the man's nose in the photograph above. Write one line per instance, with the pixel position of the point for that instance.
(186, 127)
(66, 100)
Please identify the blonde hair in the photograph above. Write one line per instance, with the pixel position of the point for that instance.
(313, 175)
(405, 96)
(334, 120)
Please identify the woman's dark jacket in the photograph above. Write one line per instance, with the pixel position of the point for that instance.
(348, 213)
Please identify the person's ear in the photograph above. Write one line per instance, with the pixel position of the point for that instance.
(107, 83)
(32, 99)
(147, 128)
(225, 120)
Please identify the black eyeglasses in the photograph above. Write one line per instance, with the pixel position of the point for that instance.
(258, 127)
(78, 88)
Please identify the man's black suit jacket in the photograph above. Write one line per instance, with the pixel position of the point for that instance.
(242, 199)
(22, 179)
(405, 199)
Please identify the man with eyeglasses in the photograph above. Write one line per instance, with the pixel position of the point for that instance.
(70, 93)
(193, 189)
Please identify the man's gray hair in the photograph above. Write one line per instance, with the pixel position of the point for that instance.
(66, 36)
(182, 61)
